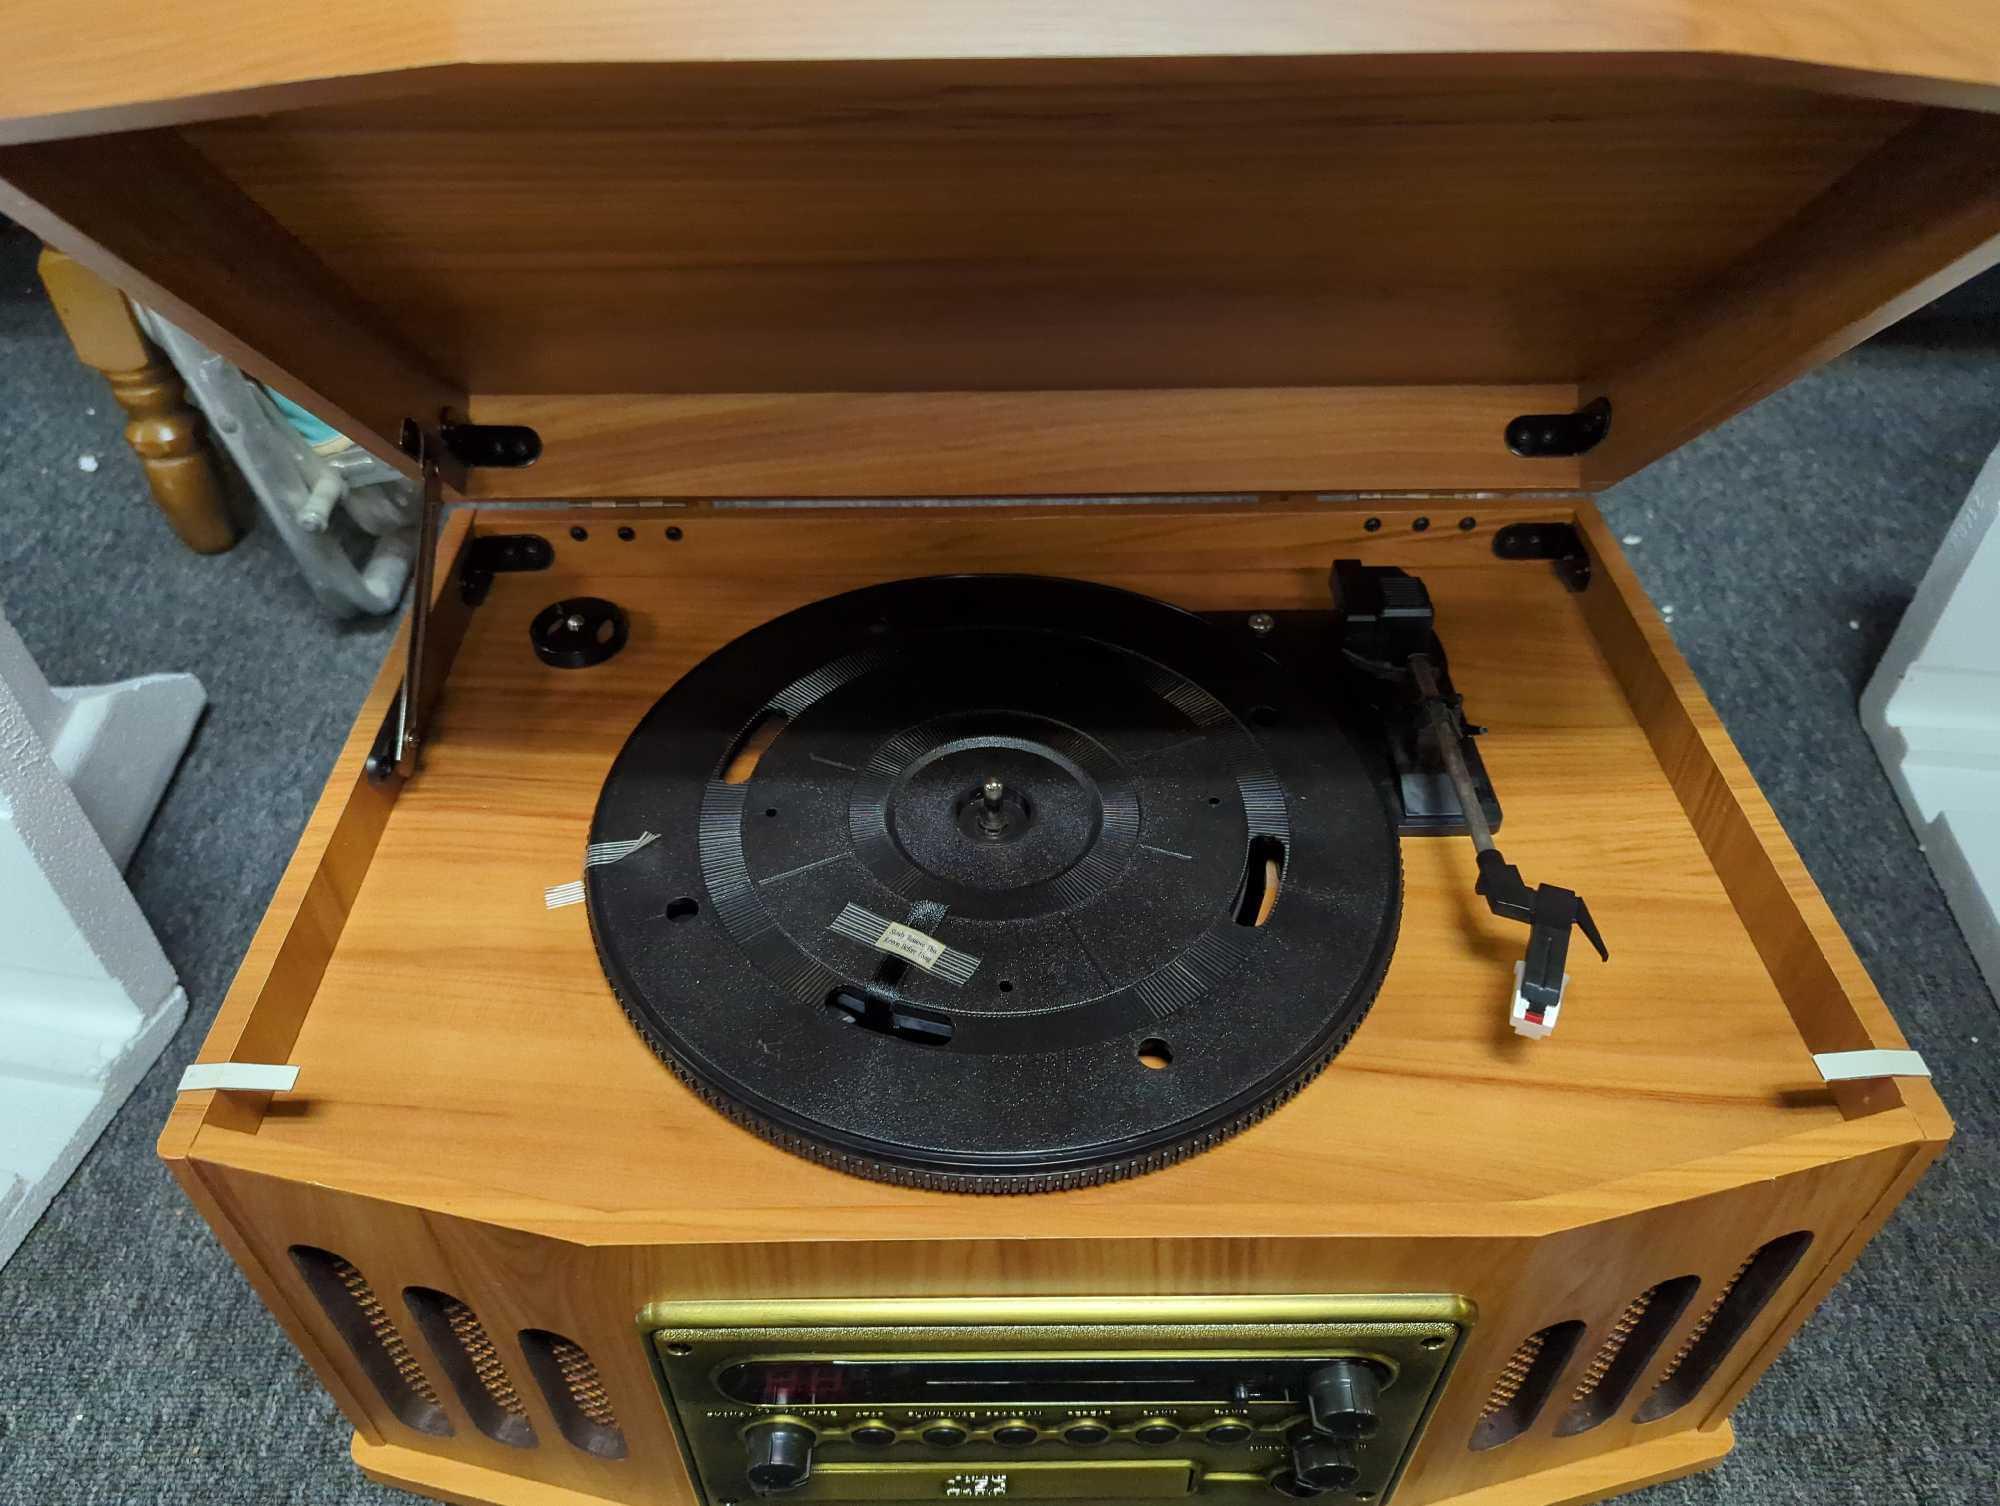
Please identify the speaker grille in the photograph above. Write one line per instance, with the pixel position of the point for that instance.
(1728, 1316)
(575, 1392)
(1507, 1384)
(472, 1364)
(359, 1317)
(1521, 1389)
(1625, 1353)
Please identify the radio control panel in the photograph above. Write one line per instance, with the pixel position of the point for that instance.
(1053, 1399)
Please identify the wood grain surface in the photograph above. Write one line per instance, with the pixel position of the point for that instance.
(488, 1064)
(1575, 1484)
(590, 1293)
(916, 229)
(1042, 276)
(1002, 444)
(1912, 220)
(152, 217)
(124, 64)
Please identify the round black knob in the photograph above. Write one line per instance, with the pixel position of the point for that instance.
(1086, 1433)
(781, 1456)
(1343, 1397)
(1228, 1430)
(871, 1434)
(945, 1435)
(1157, 1430)
(1015, 1434)
(1322, 1464)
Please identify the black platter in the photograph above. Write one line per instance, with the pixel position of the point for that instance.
(1164, 882)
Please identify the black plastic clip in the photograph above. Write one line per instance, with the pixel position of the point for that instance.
(1556, 542)
(1538, 436)
(491, 446)
(1548, 910)
(494, 554)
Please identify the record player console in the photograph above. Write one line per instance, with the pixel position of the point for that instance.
(922, 912)
(768, 1229)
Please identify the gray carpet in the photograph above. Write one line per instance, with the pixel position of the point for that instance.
(136, 1366)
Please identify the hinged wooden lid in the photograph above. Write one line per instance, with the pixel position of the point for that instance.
(953, 248)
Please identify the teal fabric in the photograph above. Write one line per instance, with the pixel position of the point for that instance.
(314, 431)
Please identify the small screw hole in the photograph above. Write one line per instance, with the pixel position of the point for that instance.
(1006, 985)
(1373, 525)
(1466, 525)
(674, 534)
(770, 810)
(1419, 525)
(579, 534)
(627, 533)
(1215, 800)
(684, 908)
(680, 1349)
(1156, 1053)
(1433, 1342)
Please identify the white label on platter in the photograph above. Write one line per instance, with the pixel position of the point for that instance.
(907, 942)
(911, 944)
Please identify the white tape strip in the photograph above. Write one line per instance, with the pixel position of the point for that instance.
(246, 1077)
(1856, 1066)
(907, 942)
(596, 855)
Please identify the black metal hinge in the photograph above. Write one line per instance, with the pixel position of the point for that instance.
(443, 451)
(1559, 542)
(1537, 436)
(500, 554)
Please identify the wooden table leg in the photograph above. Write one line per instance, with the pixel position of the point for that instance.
(167, 434)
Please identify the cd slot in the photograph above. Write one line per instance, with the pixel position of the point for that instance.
(1013, 1379)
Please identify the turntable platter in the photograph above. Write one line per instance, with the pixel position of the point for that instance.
(995, 883)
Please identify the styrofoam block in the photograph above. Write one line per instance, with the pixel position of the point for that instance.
(87, 998)
(47, 1126)
(115, 746)
(1932, 710)
(1964, 852)
(118, 748)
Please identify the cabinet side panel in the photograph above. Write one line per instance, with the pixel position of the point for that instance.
(194, 1181)
(275, 983)
(1822, 982)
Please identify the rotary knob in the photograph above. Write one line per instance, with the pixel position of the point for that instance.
(1343, 1398)
(780, 1457)
(1322, 1464)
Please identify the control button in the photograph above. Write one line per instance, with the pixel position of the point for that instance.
(945, 1435)
(1285, 1483)
(1086, 1433)
(1015, 1433)
(1157, 1430)
(1228, 1430)
(1343, 1397)
(780, 1456)
(1323, 1464)
(871, 1434)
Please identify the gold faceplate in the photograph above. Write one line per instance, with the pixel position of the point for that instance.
(1155, 1446)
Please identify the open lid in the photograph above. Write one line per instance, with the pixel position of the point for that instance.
(957, 248)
